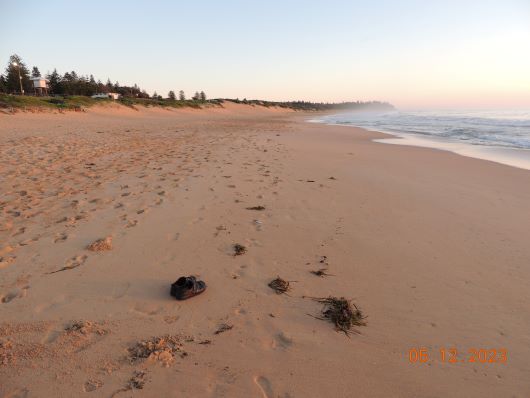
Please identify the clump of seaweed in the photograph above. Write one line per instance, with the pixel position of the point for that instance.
(101, 245)
(239, 249)
(322, 272)
(162, 349)
(344, 314)
(257, 208)
(279, 285)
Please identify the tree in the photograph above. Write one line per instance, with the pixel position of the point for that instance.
(35, 72)
(13, 79)
(202, 96)
(3, 84)
(196, 96)
(182, 96)
(67, 84)
(55, 82)
(171, 95)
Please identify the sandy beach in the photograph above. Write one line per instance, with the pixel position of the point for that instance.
(431, 246)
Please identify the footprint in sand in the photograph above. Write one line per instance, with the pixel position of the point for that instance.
(13, 294)
(6, 262)
(146, 309)
(92, 385)
(60, 237)
(264, 386)
(120, 290)
(19, 393)
(282, 340)
(131, 223)
(74, 262)
(51, 335)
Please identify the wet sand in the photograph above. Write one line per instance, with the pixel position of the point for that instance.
(432, 246)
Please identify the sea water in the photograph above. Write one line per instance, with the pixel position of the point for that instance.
(499, 136)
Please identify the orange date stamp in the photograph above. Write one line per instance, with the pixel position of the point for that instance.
(452, 355)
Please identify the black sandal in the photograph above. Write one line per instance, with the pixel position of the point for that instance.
(186, 287)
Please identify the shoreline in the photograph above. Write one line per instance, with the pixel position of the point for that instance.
(514, 157)
(431, 245)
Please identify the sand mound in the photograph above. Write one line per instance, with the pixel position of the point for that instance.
(101, 245)
(161, 349)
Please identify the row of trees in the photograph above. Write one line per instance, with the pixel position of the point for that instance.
(182, 97)
(17, 74)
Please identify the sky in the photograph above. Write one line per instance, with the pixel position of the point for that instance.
(472, 54)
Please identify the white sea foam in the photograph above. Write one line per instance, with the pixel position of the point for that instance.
(500, 136)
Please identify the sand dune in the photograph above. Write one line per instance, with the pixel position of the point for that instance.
(433, 247)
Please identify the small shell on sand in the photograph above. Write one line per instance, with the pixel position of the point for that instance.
(101, 245)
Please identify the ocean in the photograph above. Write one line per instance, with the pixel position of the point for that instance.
(499, 136)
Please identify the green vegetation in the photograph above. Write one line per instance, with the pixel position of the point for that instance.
(76, 102)
(168, 103)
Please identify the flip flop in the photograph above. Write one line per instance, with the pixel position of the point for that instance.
(186, 287)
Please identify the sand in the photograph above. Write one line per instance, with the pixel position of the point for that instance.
(431, 246)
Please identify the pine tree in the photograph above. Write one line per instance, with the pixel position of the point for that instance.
(182, 96)
(3, 84)
(35, 72)
(171, 95)
(196, 96)
(55, 82)
(202, 96)
(13, 79)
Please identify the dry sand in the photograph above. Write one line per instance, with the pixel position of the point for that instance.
(432, 246)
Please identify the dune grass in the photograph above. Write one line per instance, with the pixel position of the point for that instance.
(79, 102)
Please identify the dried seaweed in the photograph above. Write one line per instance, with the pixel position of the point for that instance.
(258, 208)
(321, 272)
(279, 285)
(239, 249)
(342, 313)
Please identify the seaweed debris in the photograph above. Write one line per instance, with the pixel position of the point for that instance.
(258, 208)
(344, 314)
(279, 285)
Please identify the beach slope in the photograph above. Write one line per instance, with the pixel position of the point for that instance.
(432, 247)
